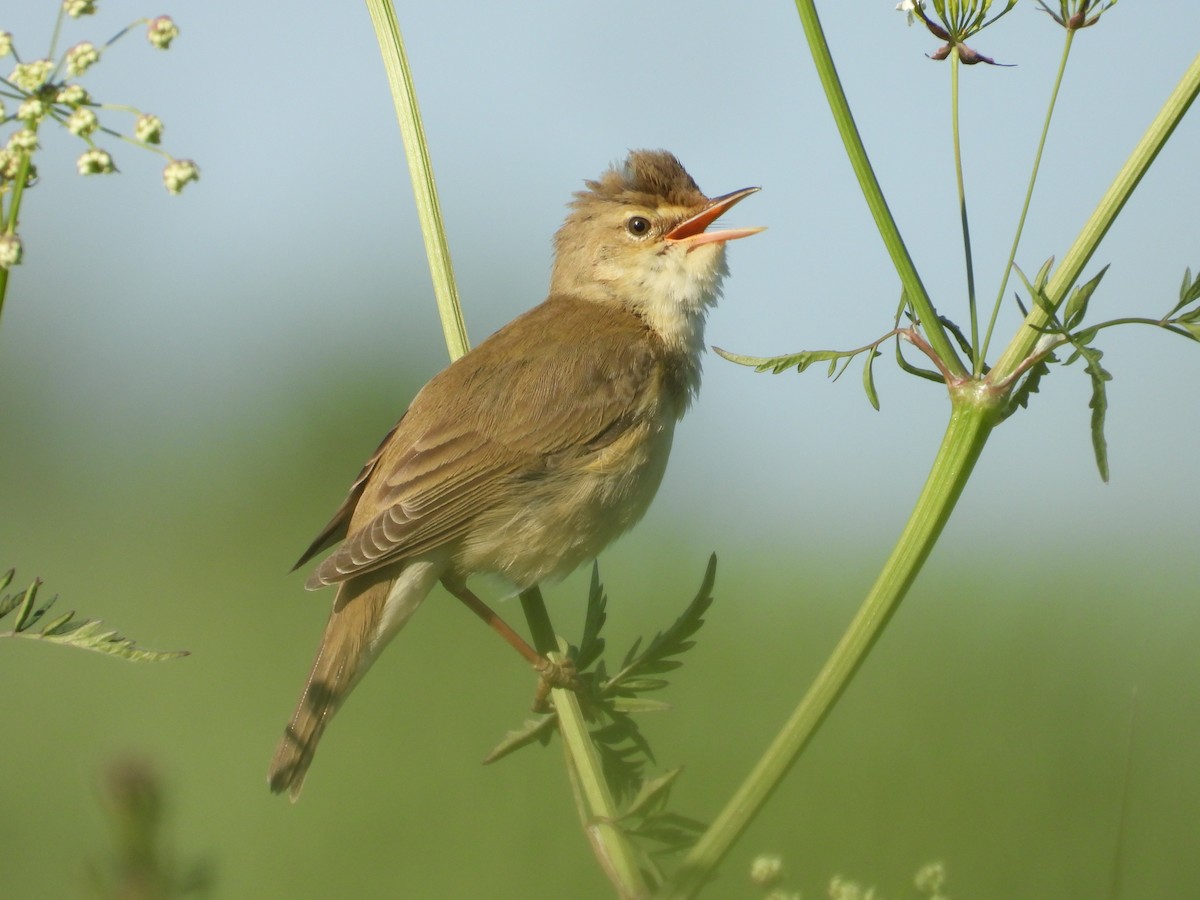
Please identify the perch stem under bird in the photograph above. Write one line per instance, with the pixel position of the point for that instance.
(528, 455)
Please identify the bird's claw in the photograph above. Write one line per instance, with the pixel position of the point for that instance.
(554, 674)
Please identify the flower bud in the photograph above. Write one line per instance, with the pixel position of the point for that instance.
(77, 8)
(31, 75)
(178, 172)
(10, 251)
(161, 31)
(82, 122)
(82, 57)
(95, 162)
(31, 111)
(148, 129)
(72, 95)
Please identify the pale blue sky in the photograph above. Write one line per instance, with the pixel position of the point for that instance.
(298, 250)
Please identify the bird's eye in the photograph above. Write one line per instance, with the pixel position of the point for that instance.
(638, 226)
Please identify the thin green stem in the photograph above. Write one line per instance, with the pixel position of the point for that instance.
(914, 289)
(617, 857)
(973, 418)
(12, 217)
(416, 151)
(1037, 162)
(955, 66)
(1097, 225)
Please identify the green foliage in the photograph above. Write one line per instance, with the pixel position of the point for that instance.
(1183, 319)
(805, 358)
(65, 629)
(611, 702)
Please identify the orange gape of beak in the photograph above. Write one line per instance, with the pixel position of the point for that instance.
(691, 231)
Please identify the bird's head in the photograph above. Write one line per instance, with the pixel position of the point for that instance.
(638, 237)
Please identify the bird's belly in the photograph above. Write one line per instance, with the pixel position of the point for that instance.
(554, 523)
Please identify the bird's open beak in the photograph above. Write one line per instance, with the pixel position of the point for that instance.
(691, 233)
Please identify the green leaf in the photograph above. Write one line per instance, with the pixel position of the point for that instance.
(1098, 403)
(539, 729)
(869, 379)
(652, 795)
(639, 705)
(1029, 386)
(908, 367)
(798, 361)
(674, 641)
(86, 634)
(1189, 292)
(1078, 301)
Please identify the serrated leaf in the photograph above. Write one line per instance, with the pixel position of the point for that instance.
(86, 634)
(869, 378)
(669, 643)
(537, 729)
(798, 361)
(652, 795)
(639, 705)
(1077, 303)
(1029, 386)
(1098, 405)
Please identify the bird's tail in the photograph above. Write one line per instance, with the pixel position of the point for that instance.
(367, 613)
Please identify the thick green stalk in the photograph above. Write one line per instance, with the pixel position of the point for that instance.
(914, 289)
(972, 420)
(420, 168)
(1037, 164)
(1072, 265)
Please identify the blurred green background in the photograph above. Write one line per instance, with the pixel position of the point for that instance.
(189, 384)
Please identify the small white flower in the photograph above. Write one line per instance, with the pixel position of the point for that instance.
(5, 43)
(10, 162)
(178, 172)
(161, 31)
(23, 140)
(77, 8)
(31, 75)
(95, 162)
(82, 57)
(910, 7)
(10, 251)
(82, 122)
(148, 129)
(31, 111)
(766, 870)
(72, 95)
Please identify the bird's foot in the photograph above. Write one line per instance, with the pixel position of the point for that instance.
(554, 674)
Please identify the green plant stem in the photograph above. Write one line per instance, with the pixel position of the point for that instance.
(416, 151)
(12, 217)
(612, 849)
(914, 289)
(1097, 225)
(597, 808)
(955, 66)
(974, 415)
(1037, 163)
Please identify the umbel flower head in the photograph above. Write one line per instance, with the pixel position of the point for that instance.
(1075, 14)
(954, 21)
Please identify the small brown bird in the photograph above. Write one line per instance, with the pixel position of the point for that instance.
(532, 452)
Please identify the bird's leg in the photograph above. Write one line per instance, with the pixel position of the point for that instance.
(550, 674)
